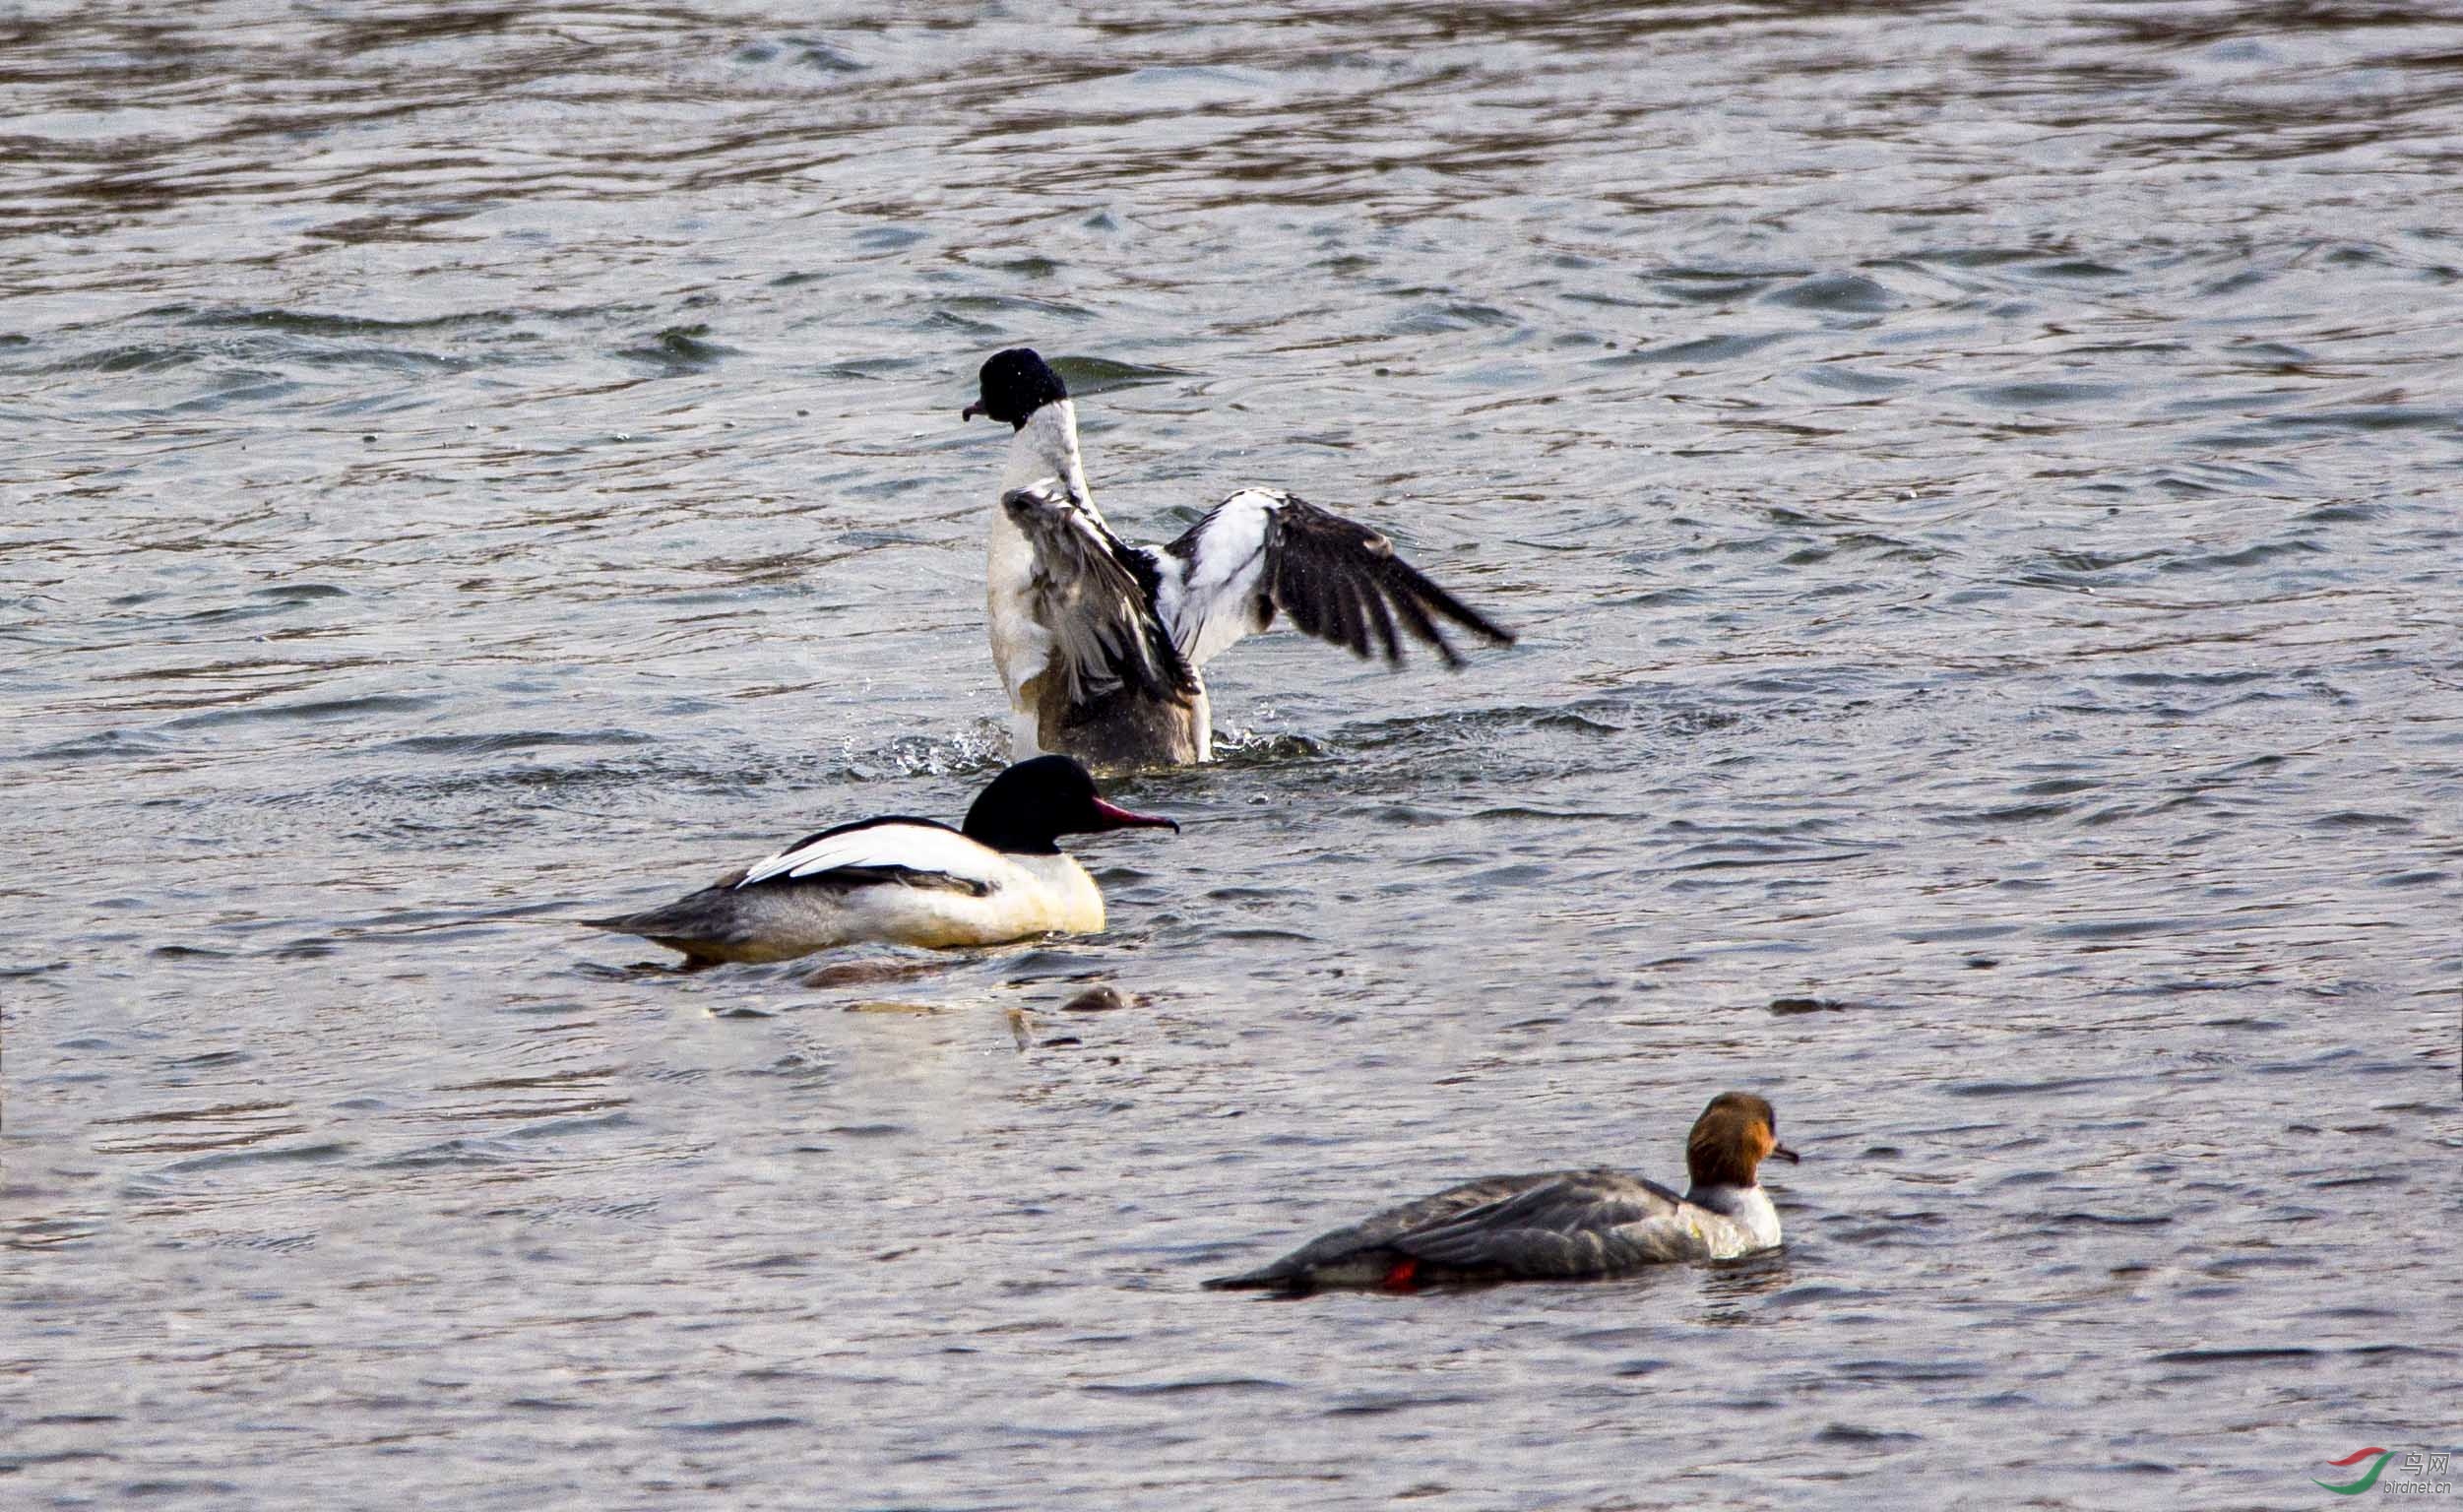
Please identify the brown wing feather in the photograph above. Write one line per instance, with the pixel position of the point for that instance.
(1097, 600)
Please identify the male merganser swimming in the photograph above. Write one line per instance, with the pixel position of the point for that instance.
(1100, 642)
(1557, 1225)
(908, 881)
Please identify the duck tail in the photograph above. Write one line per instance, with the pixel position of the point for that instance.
(1272, 1277)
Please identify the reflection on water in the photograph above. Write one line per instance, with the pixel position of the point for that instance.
(1975, 498)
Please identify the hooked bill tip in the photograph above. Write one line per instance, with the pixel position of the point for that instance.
(1122, 818)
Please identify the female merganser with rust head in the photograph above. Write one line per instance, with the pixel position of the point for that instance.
(1559, 1225)
(1100, 642)
(905, 881)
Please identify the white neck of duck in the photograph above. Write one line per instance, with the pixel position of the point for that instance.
(1046, 446)
(1749, 1207)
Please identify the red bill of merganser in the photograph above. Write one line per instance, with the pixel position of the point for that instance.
(1559, 1225)
(1100, 644)
(907, 881)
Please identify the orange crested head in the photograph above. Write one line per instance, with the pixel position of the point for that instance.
(1731, 1139)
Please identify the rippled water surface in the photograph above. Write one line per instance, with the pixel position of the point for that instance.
(1978, 498)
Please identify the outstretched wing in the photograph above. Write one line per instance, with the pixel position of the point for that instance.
(1096, 596)
(1261, 550)
(1580, 1224)
(917, 852)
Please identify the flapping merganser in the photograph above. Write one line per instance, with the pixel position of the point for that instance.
(1559, 1225)
(908, 881)
(1100, 642)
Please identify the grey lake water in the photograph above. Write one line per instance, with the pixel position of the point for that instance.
(1976, 488)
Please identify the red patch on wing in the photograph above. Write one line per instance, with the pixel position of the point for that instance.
(1398, 1276)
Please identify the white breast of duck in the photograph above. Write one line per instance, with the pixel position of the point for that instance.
(1088, 665)
(1726, 1220)
(1043, 453)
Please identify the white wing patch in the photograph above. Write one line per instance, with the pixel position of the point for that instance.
(1217, 596)
(914, 846)
(1263, 550)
